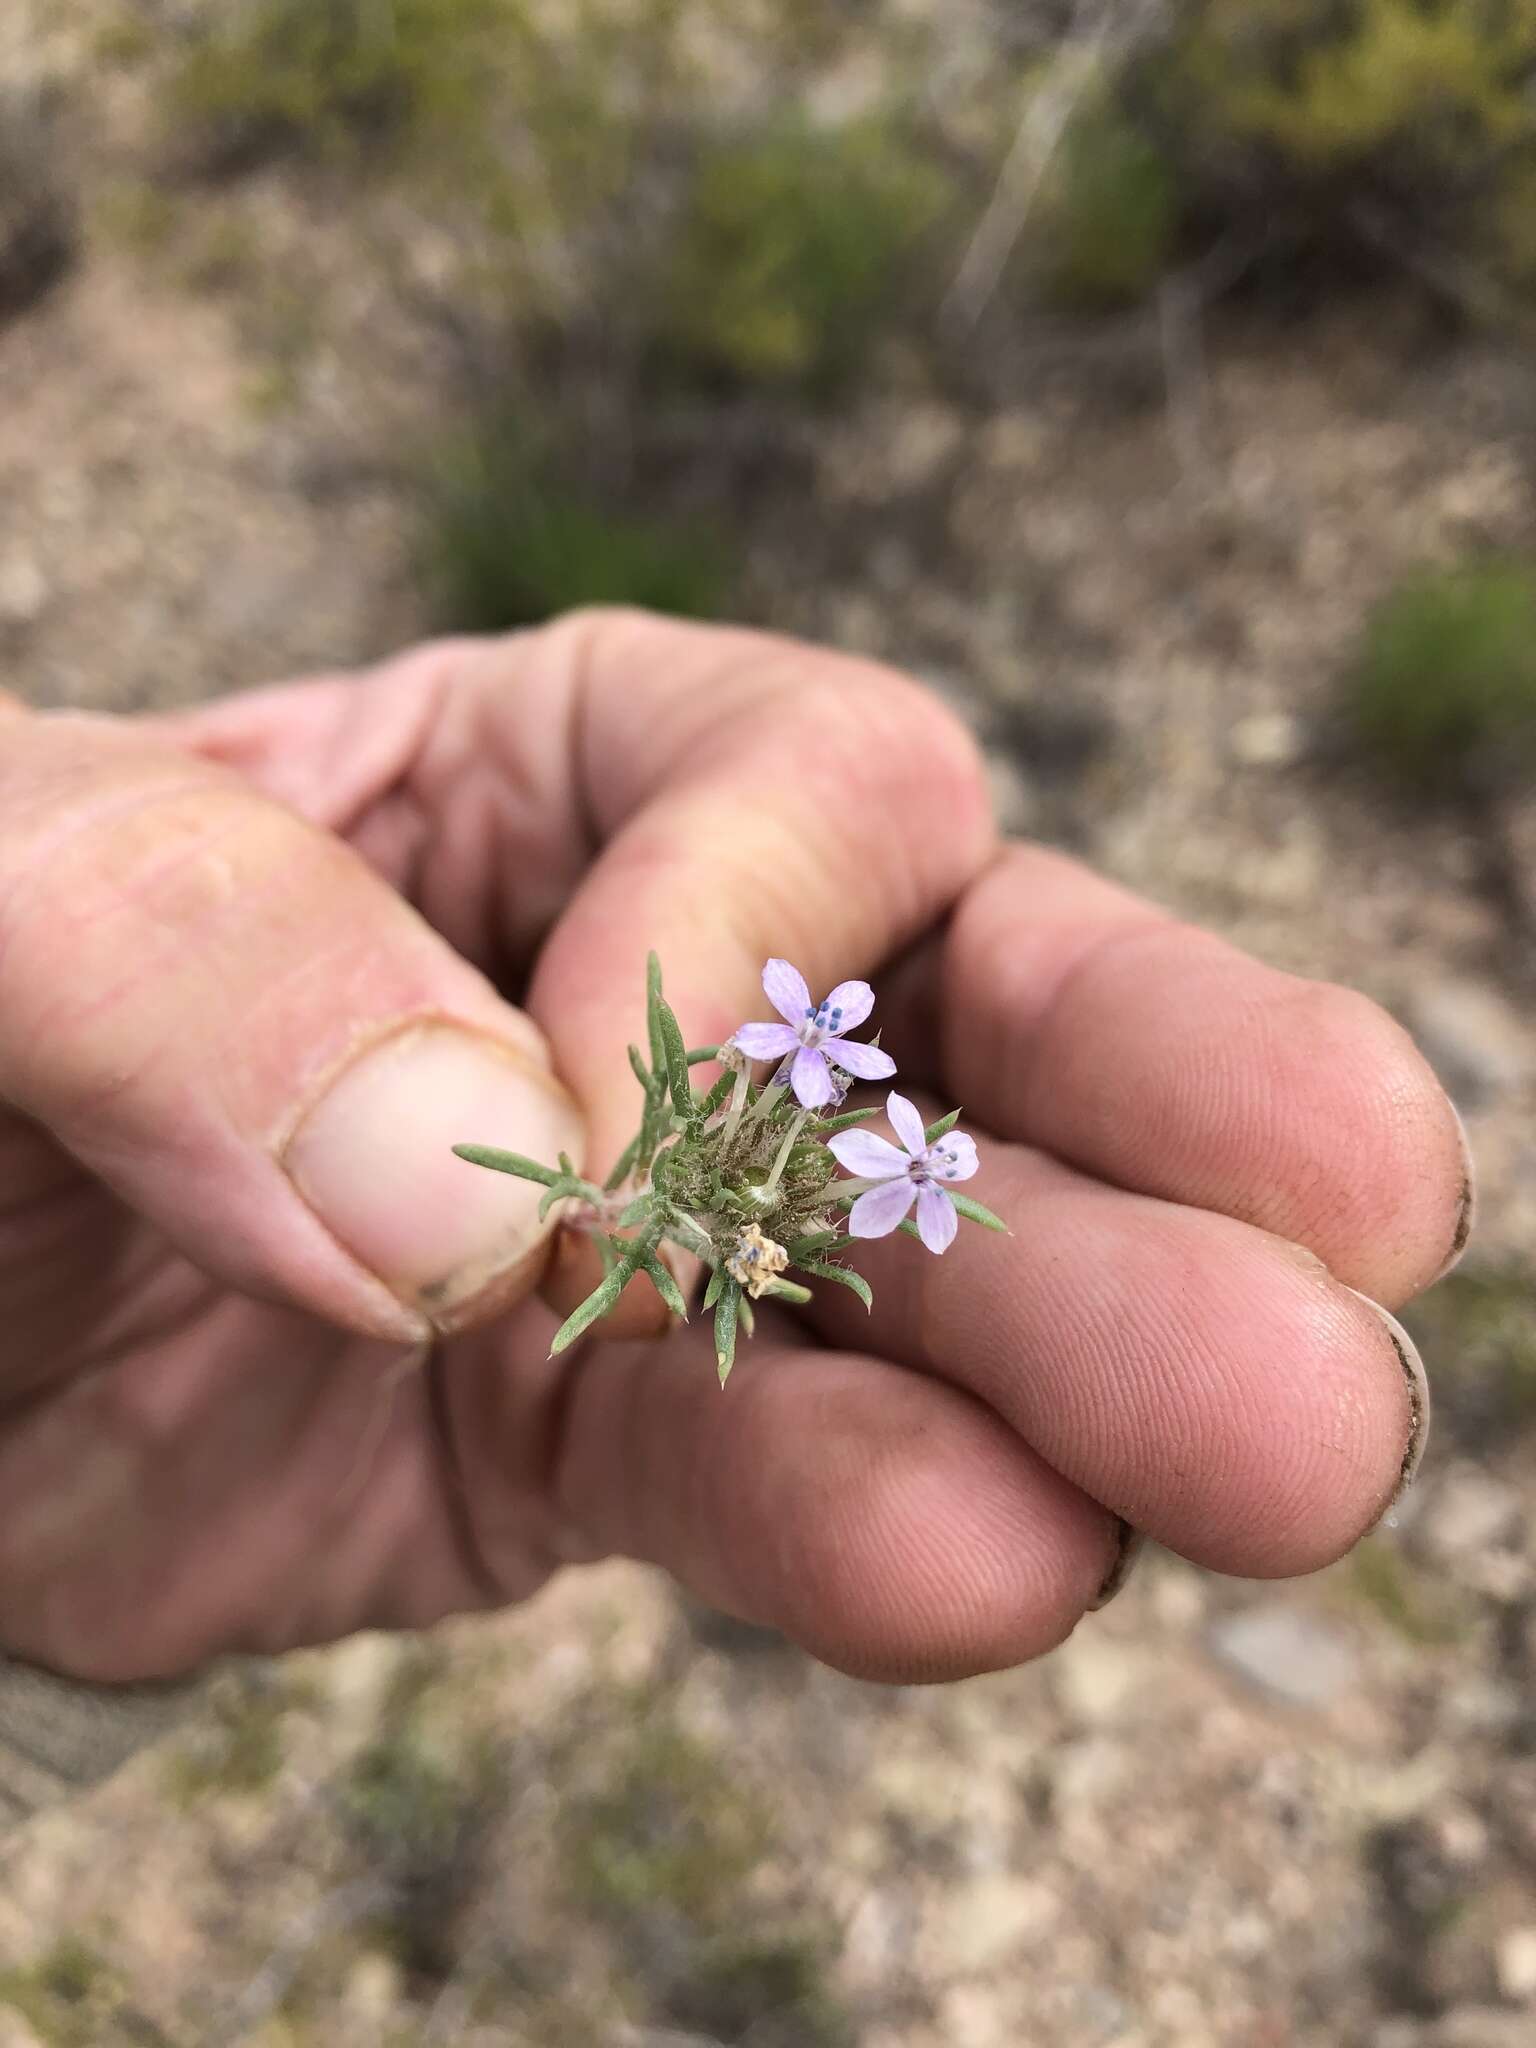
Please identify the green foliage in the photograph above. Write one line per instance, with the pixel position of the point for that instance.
(421, 1801)
(1379, 1574)
(1296, 126)
(507, 541)
(64, 1996)
(1415, 86)
(1110, 219)
(671, 1829)
(770, 1991)
(240, 1750)
(333, 75)
(792, 250)
(1480, 1328)
(1443, 694)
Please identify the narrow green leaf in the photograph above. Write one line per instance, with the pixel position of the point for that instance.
(843, 1275)
(746, 1315)
(597, 1303)
(508, 1162)
(975, 1212)
(701, 1055)
(718, 1096)
(727, 1310)
(642, 1072)
(636, 1212)
(606, 1251)
(910, 1228)
(807, 1247)
(621, 1172)
(787, 1290)
(945, 1123)
(664, 1284)
(652, 1020)
(717, 1280)
(560, 1192)
(675, 1054)
(845, 1122)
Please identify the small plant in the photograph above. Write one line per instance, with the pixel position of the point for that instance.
(39, 224)
(791, 252)
(1481, 1323)
(329, 76)
(65, 1996)
(1111, 217)
(506, 541)
(1444, 691)
(744, 1177)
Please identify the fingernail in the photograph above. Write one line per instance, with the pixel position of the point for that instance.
(374, 1159)
(1418, 1396)
(1128, 1549)
(1466, 1213)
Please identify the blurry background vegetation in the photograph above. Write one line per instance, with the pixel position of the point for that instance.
(951, 332)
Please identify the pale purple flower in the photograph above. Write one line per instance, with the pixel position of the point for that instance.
(810, 1041)
(911, 1171)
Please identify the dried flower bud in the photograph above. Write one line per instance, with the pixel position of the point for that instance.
(756, 1261)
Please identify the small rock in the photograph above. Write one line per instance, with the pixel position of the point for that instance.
(1515, 1963)
(1285, 1654)
(1467, 1514)
(1094, 1679)
(375, 1988)
(1476, 2026)
(23, 589)
(1015, 800)
(1473, 1039)
(1269, 739)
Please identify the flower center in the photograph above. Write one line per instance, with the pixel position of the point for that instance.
(820, 1024)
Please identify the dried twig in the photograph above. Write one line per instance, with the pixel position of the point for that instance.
(1098, 26)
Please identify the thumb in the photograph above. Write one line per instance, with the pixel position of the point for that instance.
(226, 1016)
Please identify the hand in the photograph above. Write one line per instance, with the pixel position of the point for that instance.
(254, 963)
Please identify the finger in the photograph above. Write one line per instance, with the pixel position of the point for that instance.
(1072, 1016)
(1208, 1382)
(744, 796)
(887, 1523)
(227, 1017)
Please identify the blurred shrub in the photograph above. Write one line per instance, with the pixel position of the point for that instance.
(65, 1997)
(507, 540)
(259, 76)
(1111, 213)
(1480, 1325)
(1408, 126)
(792, 249)
(39, 229)
(1444, 692)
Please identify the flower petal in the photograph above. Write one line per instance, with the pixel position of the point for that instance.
(906, 1123)
(866, 1062)
(954, 1157)
(870, 1157)
(811, 1079)
(855, 999)
(877, 1212)
(765, 1041)
(785, 988)
(937, 1218)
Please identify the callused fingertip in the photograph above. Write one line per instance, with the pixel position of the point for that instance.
(1466, 1202)
(1416, 1380)
(373, 1158)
